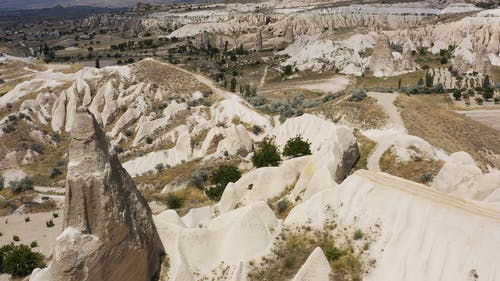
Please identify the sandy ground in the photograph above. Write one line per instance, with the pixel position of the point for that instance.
(331, 85)
(384, 137)
(488, 117)
(34, 230)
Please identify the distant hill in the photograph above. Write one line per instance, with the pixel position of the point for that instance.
(6, 5)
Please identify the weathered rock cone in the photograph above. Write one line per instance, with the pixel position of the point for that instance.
(109, 232)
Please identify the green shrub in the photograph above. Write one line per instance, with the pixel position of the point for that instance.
(199, 177)
(174, 202)
(296, 147)
(358, 234)
(220, 177)
(22, 185)
(16, 238)
(19, 260)
(2, 182)
(50, 223)
(267, 154)
(27, 219)
(34, 244)
(55, 215)
(358, 94)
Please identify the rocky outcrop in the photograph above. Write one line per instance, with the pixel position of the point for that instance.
(108, 228)
(384, 62)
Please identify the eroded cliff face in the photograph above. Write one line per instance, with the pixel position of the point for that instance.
(108, 232)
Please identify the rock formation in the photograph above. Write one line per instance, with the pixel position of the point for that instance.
(108, 232)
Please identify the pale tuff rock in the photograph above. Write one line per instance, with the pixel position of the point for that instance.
(384, 62)
(460, 176)
(315, 268)
(108, 228)
(419, 228)
(219, 249)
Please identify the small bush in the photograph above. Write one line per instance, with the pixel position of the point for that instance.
(2, 182)
(282, 206)
(55, 215)
(50, 223)
(149, 140)
(34, 244)
(199, 177)
(55, 172)
(16, 238)
(23, 185)
(27, 219)
(358, 94)
(296, 147)
(19, 260)
(159, 167)
(174, 202)
(267, 154)
(358, 234)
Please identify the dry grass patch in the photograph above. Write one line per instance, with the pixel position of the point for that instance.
(182, 201)
(292, 248)
(46, 206)
(366, 146)
(417, 170)
(428, 117)
(365, 114)
(72, 68)
(370, 82)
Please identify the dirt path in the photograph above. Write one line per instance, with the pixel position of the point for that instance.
(263, 79)
(385, 137)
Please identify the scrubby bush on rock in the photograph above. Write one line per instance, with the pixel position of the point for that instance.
(267, 154)
(296, 147)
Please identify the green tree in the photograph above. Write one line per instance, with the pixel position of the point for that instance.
(443, 60)
(19, 260)
(233, 84)
(288, 70)
(429, 79)
(267, 154)
(457, 94)
(296, 147)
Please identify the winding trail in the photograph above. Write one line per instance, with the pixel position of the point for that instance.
(385, 137)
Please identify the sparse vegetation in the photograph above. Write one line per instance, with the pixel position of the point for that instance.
(429, 118)
(417, 169)
(294, 247)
